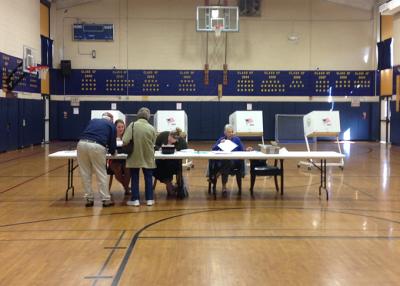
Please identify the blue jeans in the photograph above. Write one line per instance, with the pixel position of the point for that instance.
(148, 183)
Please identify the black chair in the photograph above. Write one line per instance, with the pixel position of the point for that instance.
(261, 168)
(237, 170)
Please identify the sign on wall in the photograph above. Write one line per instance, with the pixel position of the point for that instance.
(191, 83)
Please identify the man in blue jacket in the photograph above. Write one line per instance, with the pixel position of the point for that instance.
(99, 135)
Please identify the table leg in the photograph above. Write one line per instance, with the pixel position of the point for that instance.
(321, 178)
(326, 189)
(70, 178)
(282, 170)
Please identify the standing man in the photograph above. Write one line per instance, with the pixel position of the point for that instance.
(99, 135)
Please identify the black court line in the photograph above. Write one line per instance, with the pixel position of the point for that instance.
(270, 237)
(108, 258)
(355, 189)
(31, 179)
(198, 229)
(29, 155)
(117, 247)
(203, 209)
(58, 239)
(97, 215)
(136, 237)
(21, 157)
(16, 176)
(132, 244)
(98, 277)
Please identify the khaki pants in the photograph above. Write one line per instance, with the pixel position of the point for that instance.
(92, 157)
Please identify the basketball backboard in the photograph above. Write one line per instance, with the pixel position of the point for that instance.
(30, 59)
(208, 18)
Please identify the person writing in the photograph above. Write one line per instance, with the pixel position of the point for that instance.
(224, 168)
(99, 135)
(166, 169)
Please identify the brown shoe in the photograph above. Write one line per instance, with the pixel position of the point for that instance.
(89, 204)
(107, 204)
(170, 189)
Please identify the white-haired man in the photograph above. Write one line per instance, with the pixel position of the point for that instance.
(99, 135)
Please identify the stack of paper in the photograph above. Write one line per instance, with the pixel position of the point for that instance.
(227, 145)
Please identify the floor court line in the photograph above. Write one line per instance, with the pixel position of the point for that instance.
(109, 256)
(195, 209)
(136, 237)
(31, 179)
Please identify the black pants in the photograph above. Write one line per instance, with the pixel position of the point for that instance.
(225, 168)
(166, 169)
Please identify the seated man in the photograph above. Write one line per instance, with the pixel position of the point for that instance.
(227, 167)
(166, 169)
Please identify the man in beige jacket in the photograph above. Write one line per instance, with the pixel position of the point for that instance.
(144, 137)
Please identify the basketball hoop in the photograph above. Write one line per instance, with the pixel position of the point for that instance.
(218, 29)
(40, 70)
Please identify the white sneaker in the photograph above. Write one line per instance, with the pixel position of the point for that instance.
(135, 203)
(150, 202)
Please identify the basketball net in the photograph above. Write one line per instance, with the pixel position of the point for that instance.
(217, 47)
(218, 29)
(40, 70)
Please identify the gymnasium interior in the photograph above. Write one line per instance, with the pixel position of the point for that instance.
(331, 217)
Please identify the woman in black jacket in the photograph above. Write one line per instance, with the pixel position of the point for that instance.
(166, 169)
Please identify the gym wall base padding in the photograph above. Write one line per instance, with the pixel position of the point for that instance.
(206, 120)
(21, 123)
(394, 125)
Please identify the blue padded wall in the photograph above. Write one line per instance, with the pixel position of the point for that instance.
(3, 120)
(14, 133)
(394, 125)
(12, 124)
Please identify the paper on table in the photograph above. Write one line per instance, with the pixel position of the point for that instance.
(221, 152)
(227, 146)
(283, 150)
(188, 150)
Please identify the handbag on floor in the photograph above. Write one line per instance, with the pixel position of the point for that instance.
(183, 191)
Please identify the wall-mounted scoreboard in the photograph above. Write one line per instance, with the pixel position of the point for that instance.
(93, 32)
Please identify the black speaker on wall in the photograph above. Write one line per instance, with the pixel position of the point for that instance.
(385, 54)
(65, 67)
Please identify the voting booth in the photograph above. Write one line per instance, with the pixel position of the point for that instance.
(167, 120)
(115, 113)
(247, 123)
(322, 124)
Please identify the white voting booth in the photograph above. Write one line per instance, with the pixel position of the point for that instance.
(167, 120)
(247, 123)
(322, 124)
(115, 113)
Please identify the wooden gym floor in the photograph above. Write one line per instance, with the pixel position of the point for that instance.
(297, 239)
